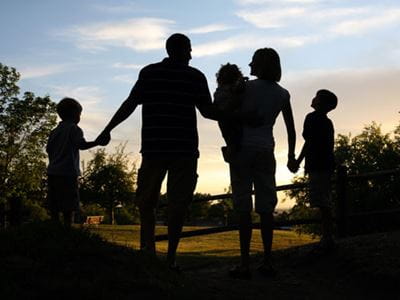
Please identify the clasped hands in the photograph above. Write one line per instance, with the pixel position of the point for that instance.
(293, 164)
(104, 138)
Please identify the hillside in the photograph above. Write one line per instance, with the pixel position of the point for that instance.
(38, 261)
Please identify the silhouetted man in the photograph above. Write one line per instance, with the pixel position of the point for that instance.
(169, 91)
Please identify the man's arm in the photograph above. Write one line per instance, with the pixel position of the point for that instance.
(291, 132)
(123, 112)
(210, 111)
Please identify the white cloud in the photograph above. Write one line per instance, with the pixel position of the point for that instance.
(140, 34)
(127, 66)
(271, 18)
(258, 2)
(277, 16)
(117, 9)
(88, 96)
(35, 72)
(126, 78)
(372, 22)
(250, 42)
(209, 28)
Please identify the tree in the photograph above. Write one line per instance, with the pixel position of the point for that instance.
(369, 151)
(109, 180)
(25, 123)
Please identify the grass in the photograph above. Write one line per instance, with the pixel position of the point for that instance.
(42, 261)
(220, 244)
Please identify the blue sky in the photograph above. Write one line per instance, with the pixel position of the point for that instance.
(93, 49)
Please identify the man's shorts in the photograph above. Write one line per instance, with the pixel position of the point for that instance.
(320, 188)
(181, 181)
(63, 193)
(254, 167)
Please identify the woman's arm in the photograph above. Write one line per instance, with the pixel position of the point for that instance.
(291, 132)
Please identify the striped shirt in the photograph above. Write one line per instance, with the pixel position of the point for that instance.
(169, 93)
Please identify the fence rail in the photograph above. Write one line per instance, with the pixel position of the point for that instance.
(342, 216)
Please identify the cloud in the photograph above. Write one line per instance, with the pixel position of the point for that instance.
(250, 42)
(259, 2)
(42, 71)
(127, 66)
(125, 78)
(271, 18)
(117, 9)
(88, 96)
(278, 16)
(209, 28)
(358, 26)
(140, 34)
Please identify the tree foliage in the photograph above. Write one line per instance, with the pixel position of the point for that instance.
(25, 123)
(109, 180)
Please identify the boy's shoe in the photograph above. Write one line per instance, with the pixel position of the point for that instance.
(266, 269)
(239, 272)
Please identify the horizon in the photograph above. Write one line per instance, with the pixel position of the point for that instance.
(93, 50)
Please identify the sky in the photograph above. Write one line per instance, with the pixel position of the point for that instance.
(92, 50)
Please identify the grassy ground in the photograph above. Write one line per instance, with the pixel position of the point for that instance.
(220, 244)
(42, 261)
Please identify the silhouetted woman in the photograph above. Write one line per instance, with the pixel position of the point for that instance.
(254, 164)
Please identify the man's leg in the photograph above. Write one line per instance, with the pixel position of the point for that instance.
(327, 227)
(182, 179)
(150, 176)
(147, 229)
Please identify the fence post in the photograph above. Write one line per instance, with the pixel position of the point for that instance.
(341, 207)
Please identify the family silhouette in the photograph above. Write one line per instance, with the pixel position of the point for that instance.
(170, 91)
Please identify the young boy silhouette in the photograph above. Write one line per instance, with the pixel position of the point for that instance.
(63, 171)
(318, 133)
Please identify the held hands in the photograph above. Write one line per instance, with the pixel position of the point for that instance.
(104, 138)
(293, 165)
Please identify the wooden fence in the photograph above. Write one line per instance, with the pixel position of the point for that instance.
(342, 215)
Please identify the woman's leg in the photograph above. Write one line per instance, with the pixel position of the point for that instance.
(265, 202)
(267, 225)
(242, 182)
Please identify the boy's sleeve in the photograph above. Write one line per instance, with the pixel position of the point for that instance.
(76, 136)
(307, 128)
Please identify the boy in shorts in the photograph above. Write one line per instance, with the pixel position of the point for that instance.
(63, 171)
(318, 133)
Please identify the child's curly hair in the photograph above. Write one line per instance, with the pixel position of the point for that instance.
(228, 74)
